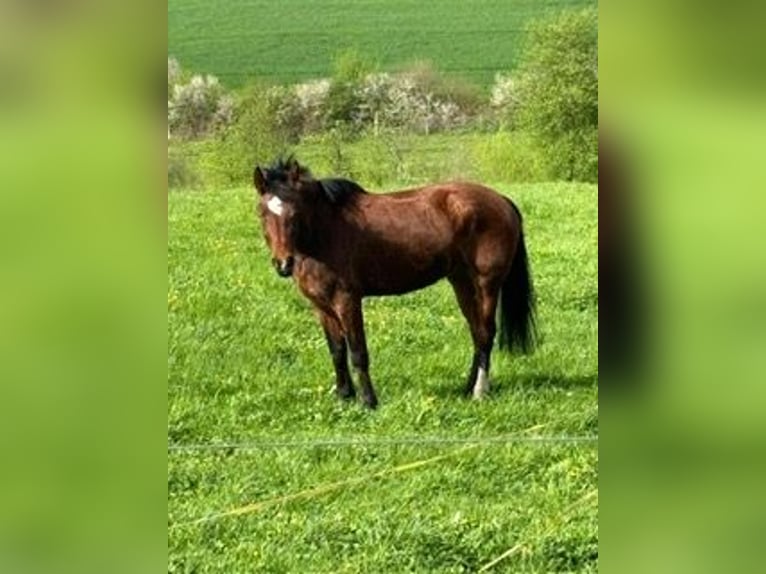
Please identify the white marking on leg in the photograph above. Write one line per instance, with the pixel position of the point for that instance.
(275, 205)
(481, 386)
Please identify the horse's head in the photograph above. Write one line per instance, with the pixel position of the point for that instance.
(286, 203)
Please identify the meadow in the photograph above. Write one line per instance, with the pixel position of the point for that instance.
(294, 40)
(429, 482)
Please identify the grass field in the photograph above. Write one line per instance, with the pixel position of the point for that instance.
(248, 364)
(240, 40)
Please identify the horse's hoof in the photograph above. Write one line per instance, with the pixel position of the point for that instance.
(481, 387)
(370, 402)
(345, 393)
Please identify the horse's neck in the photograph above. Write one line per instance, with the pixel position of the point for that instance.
(340, 230)
(333, 233)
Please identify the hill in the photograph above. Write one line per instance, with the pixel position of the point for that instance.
(294, 40)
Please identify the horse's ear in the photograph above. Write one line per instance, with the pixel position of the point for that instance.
(294, 171)
(259, 179)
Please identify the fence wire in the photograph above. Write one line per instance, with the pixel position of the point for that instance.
(263, 444)
(520, 437)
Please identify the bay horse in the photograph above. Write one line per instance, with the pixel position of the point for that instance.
(341, 243)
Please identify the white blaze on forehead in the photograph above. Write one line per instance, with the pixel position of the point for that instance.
(481, 386)
(275, 205)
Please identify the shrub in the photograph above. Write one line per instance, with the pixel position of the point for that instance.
(180, 173)
(311, 99)
(198, 107)
(510, 156)
(428, 102)
(255, 135)
(418, 99)
(343, 96)
(374, 98)
(335, 152)
(410, 108)
(174, 75)
(375, 160)
(558, 91)
(504, 100)
(409, 104)
(285, 107)
(574, 156)
(466, 96)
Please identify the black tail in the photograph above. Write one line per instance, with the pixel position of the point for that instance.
(517, 303)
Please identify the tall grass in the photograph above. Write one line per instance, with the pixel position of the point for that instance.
(388, 159)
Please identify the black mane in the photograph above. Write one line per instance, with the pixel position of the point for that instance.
(279, 170)
(338, 190)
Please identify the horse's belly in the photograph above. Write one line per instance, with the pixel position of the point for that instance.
(394, 277)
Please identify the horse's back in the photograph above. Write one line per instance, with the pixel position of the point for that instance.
(438, 215)
(461, 202)
(485, 227)
(473, 210)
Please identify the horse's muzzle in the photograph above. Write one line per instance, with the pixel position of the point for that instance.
(284, 267)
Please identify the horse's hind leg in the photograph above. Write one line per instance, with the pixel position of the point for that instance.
(336, 342)
(467, 298)
(488, 294)
(478, 302)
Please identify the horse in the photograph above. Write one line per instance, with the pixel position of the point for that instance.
(341, 243)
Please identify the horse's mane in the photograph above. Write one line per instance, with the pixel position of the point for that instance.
(282, 166)
(338, 191)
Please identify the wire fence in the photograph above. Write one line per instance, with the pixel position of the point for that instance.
(466, 443)
(331, 442)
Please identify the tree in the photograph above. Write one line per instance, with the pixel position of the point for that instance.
(558, 92)
(344, 95)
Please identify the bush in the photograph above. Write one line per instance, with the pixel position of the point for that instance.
(335, 152)
(558, 92)
(464, 95)
(180, 172)
(374, 98)
(198, 108)
(174, 75)
(343, 96)
(311, 99)
(574, 156)
(255, 135)
(504, 100)
(375, 160)
(288, 117)
(510, 157)
(406, 101)
(415, 109)
(419, 99)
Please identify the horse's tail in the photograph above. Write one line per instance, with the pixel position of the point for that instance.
(517, 302)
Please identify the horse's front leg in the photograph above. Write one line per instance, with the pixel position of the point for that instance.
(336, 342)
(349, 309)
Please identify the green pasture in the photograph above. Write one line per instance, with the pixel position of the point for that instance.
(247, 364)
(293, 40)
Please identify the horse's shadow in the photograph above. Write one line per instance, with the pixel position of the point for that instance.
(539, 381)
(521, 383)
